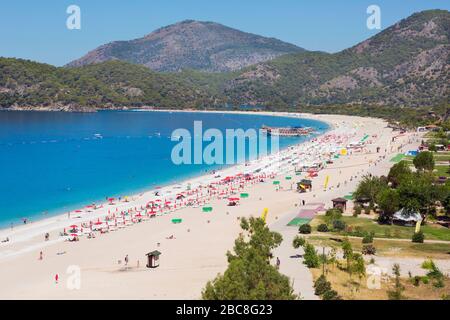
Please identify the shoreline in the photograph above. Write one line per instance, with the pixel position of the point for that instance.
(58, 217)
(193, 251)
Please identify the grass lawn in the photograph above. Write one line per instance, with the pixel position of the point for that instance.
(399, 157)
(441, 157)
(356, 289)
(431, 232)
(388, 248)
(442, 171)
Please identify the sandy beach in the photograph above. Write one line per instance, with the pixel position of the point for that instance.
(193, 251)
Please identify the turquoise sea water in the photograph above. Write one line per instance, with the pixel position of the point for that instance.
(55, 162)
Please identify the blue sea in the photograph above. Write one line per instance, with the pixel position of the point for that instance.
(53, 162)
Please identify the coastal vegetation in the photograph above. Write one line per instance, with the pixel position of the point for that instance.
(250, 275)
(398, 75)
(344, 274)
(372, 229)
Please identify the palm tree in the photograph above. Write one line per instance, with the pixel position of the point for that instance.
(369, 188)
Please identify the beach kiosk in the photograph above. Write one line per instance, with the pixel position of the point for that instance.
(153, 259)
(340, 203)
(304, 185)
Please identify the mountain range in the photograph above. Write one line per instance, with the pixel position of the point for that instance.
(206, 65)
(205, 46)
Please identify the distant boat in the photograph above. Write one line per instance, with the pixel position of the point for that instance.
(98, 135)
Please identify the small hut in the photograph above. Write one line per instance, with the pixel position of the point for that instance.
(340, 203)
(406, 217)
(153, 259)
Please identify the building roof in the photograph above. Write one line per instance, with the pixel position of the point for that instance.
(339, 200)
(407, 215)
(154, 253)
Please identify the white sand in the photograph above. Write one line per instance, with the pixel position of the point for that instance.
(197, 253)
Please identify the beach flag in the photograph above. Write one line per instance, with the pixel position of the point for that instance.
(418, 223)
(264, 214)
(327, 179)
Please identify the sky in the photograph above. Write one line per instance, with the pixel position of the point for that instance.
(36, 30)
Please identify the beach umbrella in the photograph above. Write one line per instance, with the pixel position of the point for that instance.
(276, 182)
(74, 226)
(244, 195)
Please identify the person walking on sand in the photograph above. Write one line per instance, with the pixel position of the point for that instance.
(126, 260)
(278, 263)
(40, 255)
(56, 278)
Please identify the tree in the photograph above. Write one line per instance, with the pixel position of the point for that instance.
(249, 275)
(389, 203)
(369, 188)
(397, 293)
(446, 204)
(358, 265)
(434, 273)
(398, 173)
(417, 193)
(332, 215)
(424, 161)
(298, 242)
(321, 285)
(348, 254)
(311, 259)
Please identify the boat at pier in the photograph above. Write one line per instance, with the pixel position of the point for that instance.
(288, 131)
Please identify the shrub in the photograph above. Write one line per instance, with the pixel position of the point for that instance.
(298, 242)
(322, 228)
(368, 238)
(425, 280)
(331, 295)
(418, 237)
(369, 249)
(339, 225)
(311, 259)
(332, 215)
(357, 210)
(367, 210)
(358, 232)
(439, 283)
(321, 286)
(434, 273)
(305, 229)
